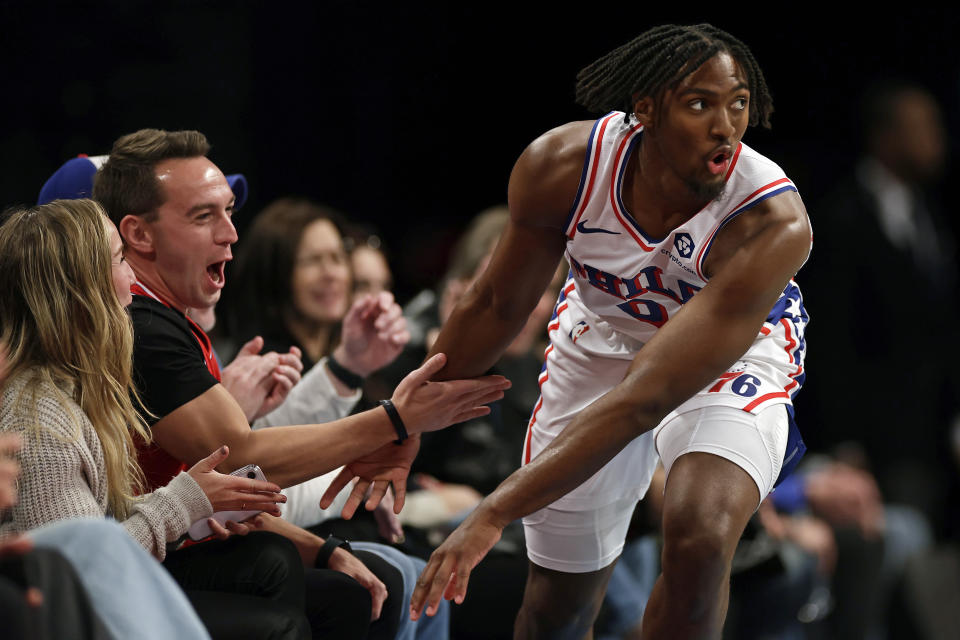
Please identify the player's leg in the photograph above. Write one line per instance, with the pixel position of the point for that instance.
(572, 555)
(561, 605)
(707, 503)
(573, 544)
(720, 462)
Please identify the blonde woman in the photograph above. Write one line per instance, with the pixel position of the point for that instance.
(69, 394)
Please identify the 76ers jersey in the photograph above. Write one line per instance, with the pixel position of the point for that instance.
(624, 285)
(635, 283)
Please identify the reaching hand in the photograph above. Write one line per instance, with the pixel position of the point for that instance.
(374, 333)
(423, 406)
(234, 493)
(375, 472)
(260, 383)
(448, 571)
(429, 406)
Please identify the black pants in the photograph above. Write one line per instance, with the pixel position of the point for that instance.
(253, 586)
(385, 627)
(66, 611)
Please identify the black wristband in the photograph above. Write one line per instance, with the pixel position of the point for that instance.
(347, 377)
(397, 421)
(331, 544)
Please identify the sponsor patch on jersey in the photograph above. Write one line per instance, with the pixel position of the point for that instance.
(684, 244)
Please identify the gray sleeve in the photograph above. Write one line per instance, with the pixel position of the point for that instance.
(57, 470)
(165, 514)
(63, 477)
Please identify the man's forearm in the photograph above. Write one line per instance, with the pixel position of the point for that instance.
(293, 454)
(287, 455)
(475, 336)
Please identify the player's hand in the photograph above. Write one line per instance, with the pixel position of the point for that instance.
(448, 571)
(234, 493)
(373, 335)
(345, 562)
(428, 406)
(260, 382)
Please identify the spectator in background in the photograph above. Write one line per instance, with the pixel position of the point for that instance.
(885, 276)
(368, 261)
(293, 285)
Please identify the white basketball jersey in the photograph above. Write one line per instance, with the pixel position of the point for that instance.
(624, 285)
(631, 281)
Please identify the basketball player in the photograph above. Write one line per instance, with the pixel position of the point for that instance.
(678, 333)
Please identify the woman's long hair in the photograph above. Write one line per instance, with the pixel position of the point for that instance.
(62, 324)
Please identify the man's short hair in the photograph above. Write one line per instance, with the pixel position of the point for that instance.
(127, 183)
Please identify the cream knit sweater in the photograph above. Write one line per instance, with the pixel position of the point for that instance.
(63, 474)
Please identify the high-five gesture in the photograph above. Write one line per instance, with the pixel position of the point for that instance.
(423, 406)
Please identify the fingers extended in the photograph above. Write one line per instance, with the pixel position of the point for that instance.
(376, 495)
(336, 486)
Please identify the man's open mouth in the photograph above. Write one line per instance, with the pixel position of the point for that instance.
(215, 271)
(718, 163)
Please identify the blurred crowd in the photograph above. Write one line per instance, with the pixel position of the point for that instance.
(863, 541)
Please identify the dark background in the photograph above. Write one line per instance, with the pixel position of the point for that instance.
(409, 117)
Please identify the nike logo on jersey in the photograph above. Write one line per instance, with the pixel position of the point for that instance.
(583, 228)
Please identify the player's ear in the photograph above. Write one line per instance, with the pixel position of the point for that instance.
(643, 111)
(136, 234)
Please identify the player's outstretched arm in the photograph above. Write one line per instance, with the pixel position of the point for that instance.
(700, 342)
(543, 186)
(293, 454)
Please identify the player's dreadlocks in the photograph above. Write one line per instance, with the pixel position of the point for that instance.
(659, 59)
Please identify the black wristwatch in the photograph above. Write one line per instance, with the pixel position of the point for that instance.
(331, 544)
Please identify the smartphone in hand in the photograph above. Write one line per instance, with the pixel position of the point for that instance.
(201, 528)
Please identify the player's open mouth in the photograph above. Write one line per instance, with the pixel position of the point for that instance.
(215, 271)
(718, 163)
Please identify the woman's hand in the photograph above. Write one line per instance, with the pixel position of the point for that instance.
(234, 493)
